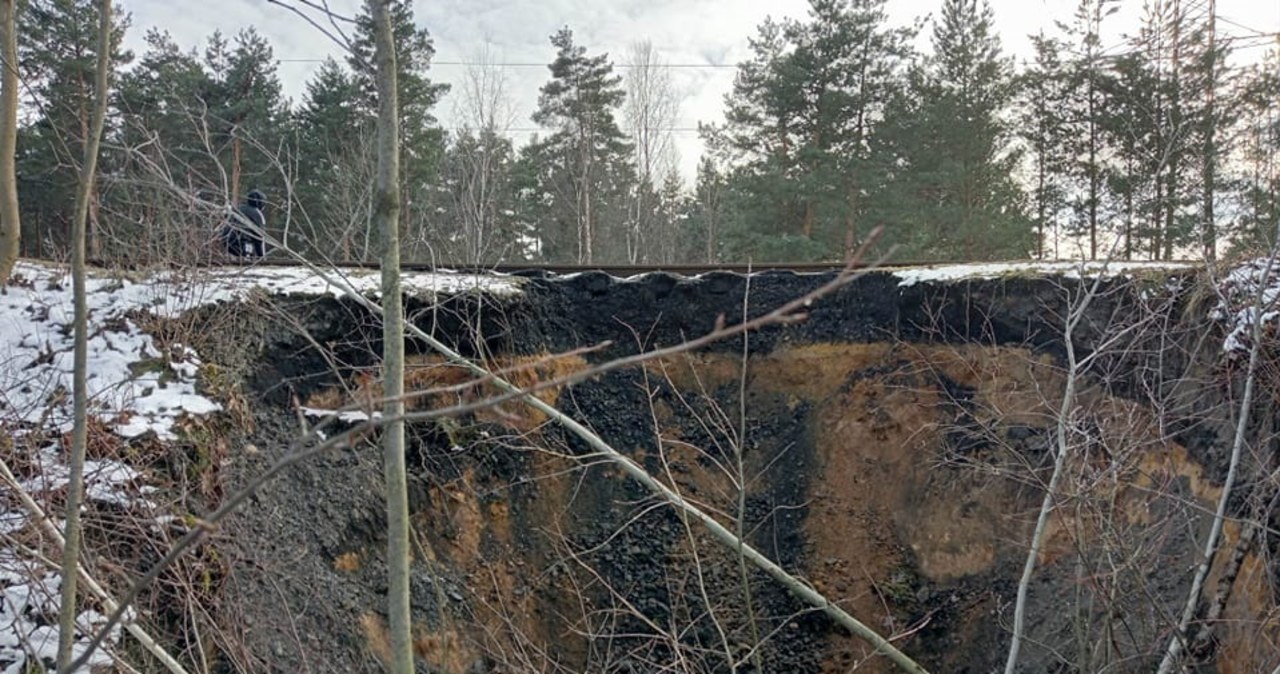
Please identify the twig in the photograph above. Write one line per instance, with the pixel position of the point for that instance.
(1177, 643)
(723, 535)
(101, 593)
(784, 315)
(1074, 315)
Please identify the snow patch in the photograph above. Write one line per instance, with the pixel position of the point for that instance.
(233, 284)
(1238, 303)
(345, 416)
(29, 603)
(135, 388)
(1073, 270)
(105, 481)
(132, 385)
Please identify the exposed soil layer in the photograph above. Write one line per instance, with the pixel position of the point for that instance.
(893, 454)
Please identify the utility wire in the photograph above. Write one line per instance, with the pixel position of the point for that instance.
(544, 65)
(1106, 53)
(1255, 31)
(530, 129)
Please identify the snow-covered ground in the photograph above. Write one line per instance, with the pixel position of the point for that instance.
(1248, 294)
(226, 283)
(136, 386)
(987, 270)
(29, 599)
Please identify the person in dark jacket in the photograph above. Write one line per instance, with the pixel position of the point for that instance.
(242, 233)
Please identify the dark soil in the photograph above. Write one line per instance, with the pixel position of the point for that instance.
(529, 554)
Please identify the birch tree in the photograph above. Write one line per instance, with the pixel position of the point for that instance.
(648, 112)
(477, 169)
(80, 393)
(386, 218)
(10, 224)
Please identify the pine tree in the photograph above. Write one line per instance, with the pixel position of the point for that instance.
(1260, 150)
(1213, 110)
(247, 109)
(333, 135)
(707, 212)
(421, 138)
(950, 190)
(1087, 105)
(670, 239)
(215, 121)
(1164, 40)
(161, 115)
(799, 123)
(1129, 129)
(56, 52)
(156, 96)
(1045, 89)
(584, 162)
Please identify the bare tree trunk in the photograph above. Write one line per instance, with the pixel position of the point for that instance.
(1211, 131)
(1094, 180)
(1177, 643)
(486, 110)
(80, 388)
(740, 520)
(386, 217)
(235, 166)
(1074, 315)
(650, 110)
(10, 224)
(586, 243)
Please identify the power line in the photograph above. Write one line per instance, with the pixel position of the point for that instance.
(533, 129)
(1263, 39)
(1255, 31)
(544, 65)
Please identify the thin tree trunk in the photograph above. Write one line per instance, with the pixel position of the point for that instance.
(1074, 316)
(1210, 150)
(235, 166)
(80, 389)
(1176, 133)
(1093, 167)
(10, 223)
(1041, 206)
(587, 245)
(740, 521)
(1177, 643)
(386, 217)
(93, 234)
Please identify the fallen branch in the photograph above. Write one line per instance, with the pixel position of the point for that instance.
(788, 313)
(97, 590)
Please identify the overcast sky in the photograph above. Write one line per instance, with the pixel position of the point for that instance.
(706, 33)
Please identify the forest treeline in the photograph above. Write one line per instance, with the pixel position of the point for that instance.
(1150, 149)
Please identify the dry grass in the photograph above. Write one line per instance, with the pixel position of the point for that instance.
(347, 562)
